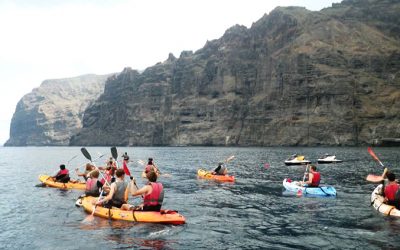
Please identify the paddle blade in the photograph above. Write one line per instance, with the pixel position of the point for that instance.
(230, 158)
(86, 154)
(88, 219)
(126, 169)
(374, 156)
(374, 178)
(114, 153)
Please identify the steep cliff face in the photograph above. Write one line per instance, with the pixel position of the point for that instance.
(52, 113)
(295, 77)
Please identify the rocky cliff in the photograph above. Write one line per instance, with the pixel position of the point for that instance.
(52, 113)
(295, 77)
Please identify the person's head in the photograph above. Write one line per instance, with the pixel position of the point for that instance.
(94, 174)
(150, 162)
(89, 167)
(220, 164)
(313, 167)
(119, 173)
(151, 176)
(62, 166)
(391, 176)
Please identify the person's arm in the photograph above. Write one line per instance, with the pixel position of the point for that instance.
(384, 173)
(144, 190)
(310, 178)
(109, 196)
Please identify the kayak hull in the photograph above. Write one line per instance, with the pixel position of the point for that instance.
(208, 175)
(164, 216)
(48, 181)
(377, 202)
(313, 191)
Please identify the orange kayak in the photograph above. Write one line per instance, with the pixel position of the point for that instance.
(208, 175)
(48, 181)
(164, 216)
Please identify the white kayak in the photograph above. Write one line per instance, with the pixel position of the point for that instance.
(328, 159)
(297, 160)
(294, 186)
(377, 203)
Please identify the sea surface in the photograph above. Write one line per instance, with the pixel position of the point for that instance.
(252, 213)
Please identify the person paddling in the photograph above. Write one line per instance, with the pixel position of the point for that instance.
(153, 194)
(220, 170)
(62, 175)
(118, 194)
(314, 178)
(150, 167)
(392, 191)
(93, 184)
(89, 168)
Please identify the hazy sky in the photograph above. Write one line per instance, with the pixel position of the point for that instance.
(48, 39)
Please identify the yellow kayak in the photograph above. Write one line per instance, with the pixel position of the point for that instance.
(48, 181)
(164, 216)
(208, 175)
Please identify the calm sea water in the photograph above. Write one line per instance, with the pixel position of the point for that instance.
(252, 213)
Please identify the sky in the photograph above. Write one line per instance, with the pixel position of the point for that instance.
(51, 39)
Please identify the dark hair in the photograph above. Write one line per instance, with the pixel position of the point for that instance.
(120, 172)
(391, 176)
(62, 166)
(151, 176)
(150, 162)
(313, 167)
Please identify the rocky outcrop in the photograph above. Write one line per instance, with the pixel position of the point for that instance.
(296, 77)
(52, 113)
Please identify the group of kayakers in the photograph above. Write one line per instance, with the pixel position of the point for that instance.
(108, 183)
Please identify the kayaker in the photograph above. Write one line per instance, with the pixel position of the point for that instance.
(89, 168)
(314, 177)
(150, 167)
(125, 156)
(93, 184)
(152, 192)
(220, 170)
(118, 194)
(62, 175)
(392, 191)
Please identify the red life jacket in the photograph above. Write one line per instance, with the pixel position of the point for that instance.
(390, 191)
(157, 195)
(91, 185)
(316, 179)
(63, 172)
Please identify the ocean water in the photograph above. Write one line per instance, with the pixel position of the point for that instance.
(252, 213)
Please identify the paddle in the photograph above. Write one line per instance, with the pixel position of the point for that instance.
(376, 178)
(90, 217)
(72, 158)
(114, 154)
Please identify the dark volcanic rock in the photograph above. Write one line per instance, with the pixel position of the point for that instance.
(296, 77)
(52, 113)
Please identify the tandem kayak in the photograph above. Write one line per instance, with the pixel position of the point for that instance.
(293, 186)
(48, 181)
(164, 216)
(208, 175)
(377, 203)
